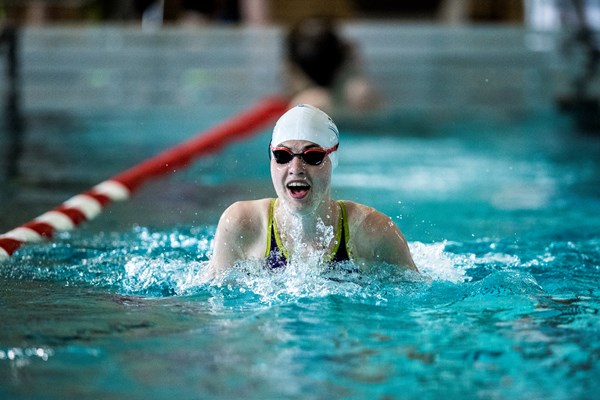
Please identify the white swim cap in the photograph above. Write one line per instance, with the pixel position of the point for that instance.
(305, 122)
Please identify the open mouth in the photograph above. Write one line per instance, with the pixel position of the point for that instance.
(298, 190)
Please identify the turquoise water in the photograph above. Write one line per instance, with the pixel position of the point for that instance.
(501, 216)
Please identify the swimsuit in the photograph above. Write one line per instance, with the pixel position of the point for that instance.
(277, 255)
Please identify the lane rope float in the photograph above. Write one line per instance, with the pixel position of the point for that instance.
(87, 205)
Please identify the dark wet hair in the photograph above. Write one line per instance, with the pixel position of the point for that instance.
(314, 46)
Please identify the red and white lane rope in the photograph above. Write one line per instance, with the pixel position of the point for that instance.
(88, 205)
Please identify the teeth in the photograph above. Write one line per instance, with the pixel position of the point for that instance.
(297, 184)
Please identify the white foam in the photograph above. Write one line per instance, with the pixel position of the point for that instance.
(434, 262)
(144, 274)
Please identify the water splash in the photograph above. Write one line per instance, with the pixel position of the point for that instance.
(306, 248)
(173, 262)
(298, 282)
(142, 261)
(161, 276)
(440, 265)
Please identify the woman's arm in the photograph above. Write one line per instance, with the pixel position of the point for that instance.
(240, 234)
(227, 246)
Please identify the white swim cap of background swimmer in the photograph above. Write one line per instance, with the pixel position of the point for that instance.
(305, 122)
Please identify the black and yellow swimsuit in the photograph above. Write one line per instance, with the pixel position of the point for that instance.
(277, 255)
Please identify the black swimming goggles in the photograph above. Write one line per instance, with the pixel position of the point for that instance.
(311, 156)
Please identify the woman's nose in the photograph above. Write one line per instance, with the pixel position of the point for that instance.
(297, 165)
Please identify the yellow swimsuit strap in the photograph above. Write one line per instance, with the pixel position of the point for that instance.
(270, 226)
(342, 224)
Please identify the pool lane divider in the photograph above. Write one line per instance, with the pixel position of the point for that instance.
(87, 205)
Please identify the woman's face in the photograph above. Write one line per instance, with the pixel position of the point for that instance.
(301, 187)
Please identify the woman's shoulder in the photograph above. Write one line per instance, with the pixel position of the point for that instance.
(247, 212)
(249, 205)
(244, 220)
(316, 96)
(365, 219)
(358, 212)
(375, 237)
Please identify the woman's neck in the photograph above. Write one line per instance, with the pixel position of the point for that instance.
(312, 231)
(326, 213)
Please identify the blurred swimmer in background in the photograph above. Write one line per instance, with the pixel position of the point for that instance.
(322, 70)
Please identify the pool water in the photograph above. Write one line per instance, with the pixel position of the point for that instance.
(501, 217)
